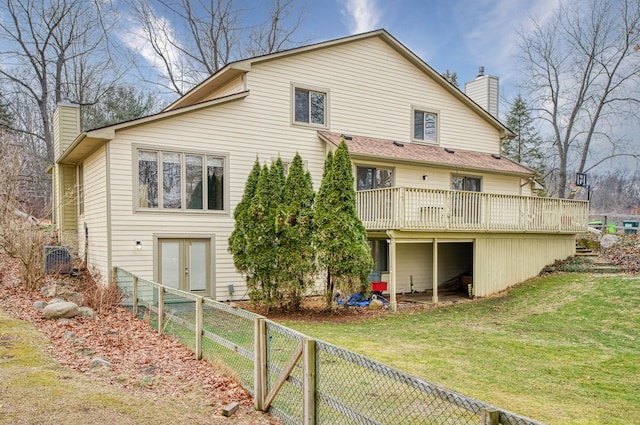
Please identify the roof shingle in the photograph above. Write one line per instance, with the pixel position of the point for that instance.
(435, 155)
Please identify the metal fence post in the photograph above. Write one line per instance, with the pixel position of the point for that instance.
(160, 308)
(134, 306)
(199, 319)
(309, 381)
(259, 362)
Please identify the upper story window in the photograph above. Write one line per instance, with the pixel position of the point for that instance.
(310, 107)
(373, 178)
(180, 181)
(470, 184)
(425, 126)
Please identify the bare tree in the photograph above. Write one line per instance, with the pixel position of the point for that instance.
(277, 32)
(189, 40)
(581, 69)
(54, 48)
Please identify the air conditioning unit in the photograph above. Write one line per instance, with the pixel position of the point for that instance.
(58, 259)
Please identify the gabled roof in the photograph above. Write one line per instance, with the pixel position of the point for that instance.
(361, 146)
(234, 69)
(87, 142)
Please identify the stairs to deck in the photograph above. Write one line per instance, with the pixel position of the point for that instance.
(598, 264)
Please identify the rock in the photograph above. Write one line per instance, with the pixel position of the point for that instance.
(71, 296)
(49, 290)
(87, 312)
(69, 335)
(60, 310)
(56, 300)
(86, 352)
(40, 305)
(97, 362)
(376, 304)
(607, 241)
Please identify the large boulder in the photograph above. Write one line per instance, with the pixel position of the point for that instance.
(58, 310)
(607, 241)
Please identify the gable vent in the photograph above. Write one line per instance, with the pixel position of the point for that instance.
(58, 259)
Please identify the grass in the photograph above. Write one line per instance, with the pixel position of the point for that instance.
(36, 389)
(563, 349)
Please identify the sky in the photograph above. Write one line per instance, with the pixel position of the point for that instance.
(458, 35)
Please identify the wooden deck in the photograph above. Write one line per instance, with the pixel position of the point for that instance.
(401, 208)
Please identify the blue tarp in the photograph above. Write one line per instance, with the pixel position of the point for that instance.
(357, 300)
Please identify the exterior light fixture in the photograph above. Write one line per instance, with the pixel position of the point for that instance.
(138, 245)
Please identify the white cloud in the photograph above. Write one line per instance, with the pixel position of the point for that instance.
(137, 38)
(363, 15)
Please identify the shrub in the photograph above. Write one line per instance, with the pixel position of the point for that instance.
(24, 241)
(97, 296)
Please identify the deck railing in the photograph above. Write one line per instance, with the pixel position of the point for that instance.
(430, 209)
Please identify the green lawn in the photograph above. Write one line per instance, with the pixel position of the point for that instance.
(563, 349)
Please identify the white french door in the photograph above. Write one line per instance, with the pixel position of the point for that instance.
(185, 264)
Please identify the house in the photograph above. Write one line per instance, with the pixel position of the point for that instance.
(156, 195)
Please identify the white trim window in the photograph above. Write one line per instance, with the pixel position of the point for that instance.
(309, 107)
(180, 181)
(425, 126)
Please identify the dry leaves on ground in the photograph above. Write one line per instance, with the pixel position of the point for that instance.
(142, 360)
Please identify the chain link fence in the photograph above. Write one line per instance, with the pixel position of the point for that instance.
(299, 379)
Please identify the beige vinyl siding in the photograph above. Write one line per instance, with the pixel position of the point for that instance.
(414, 261)
(95, 214)
(68, 200)
(484, 91)
(227, 130)
(503, 261)
(231, 87)
(500, 184)
(440, 178)
(364, 100)
(66, 126)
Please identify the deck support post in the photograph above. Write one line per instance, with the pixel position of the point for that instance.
(434, 269)
(393, 304)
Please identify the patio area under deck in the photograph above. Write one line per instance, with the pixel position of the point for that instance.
(452, 216)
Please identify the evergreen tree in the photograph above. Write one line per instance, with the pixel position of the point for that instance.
(452, 77)
(6, 118)
(525, 147)
(296, 250)
(238, 239)
(342, 239)
(119, 104)
(262, 237)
